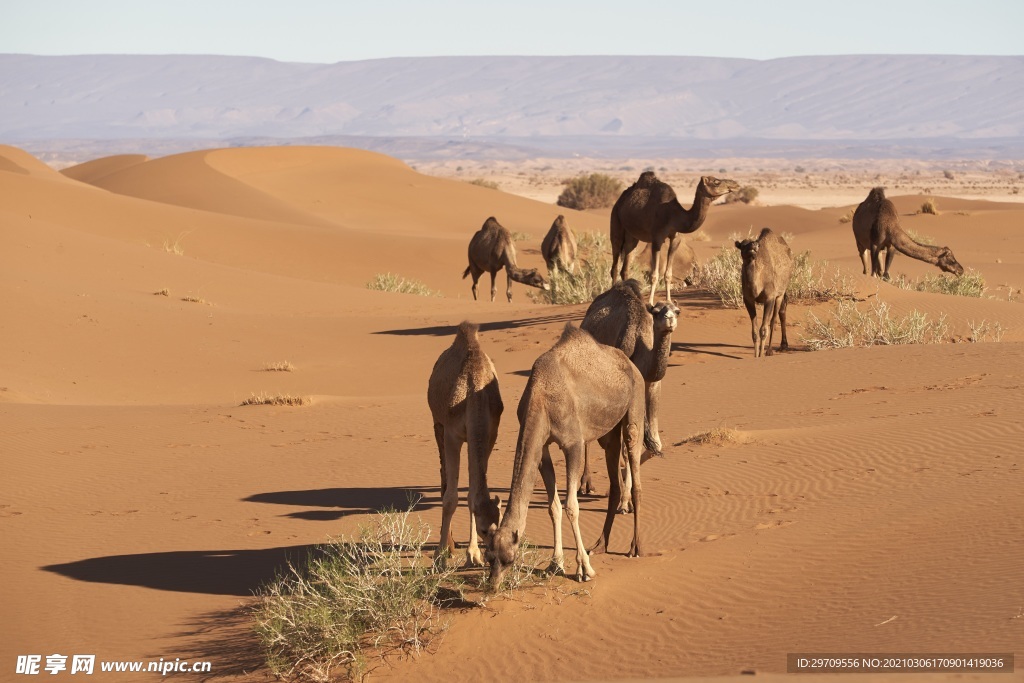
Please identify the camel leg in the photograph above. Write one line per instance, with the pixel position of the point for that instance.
(573, 463)
(634, 449)
(655, 273)
(890, 253)
(476, 279)
(784, 346)
(752, 312)
(628, 245)
(547, 473)
(616, 236)
(864, 259)
(673, 245)
(586, 483)
(766, 317)
(776, 305)
(508, 292)
(449, 497)
(612, 444)
(625, 485)
(652, 403)
(876, 266)
(493, 288)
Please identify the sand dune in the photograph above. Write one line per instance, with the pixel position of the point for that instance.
(141, 505)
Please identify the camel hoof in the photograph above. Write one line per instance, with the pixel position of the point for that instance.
(769, 352)
(556, 568)
(472, 560)
(583, 576)
(625, 508)
(598, 548)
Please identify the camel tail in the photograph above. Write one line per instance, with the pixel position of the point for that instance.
(466, 272)
(649, 442)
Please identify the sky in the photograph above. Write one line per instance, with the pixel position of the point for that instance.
(328, 31)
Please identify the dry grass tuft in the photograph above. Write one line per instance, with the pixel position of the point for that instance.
(847, 217)
(699, 236)
(985, 331)
(929, 206)
(971, 284)
(353, 601)
(518, 236)
(162, 292)
(264, 399)
(282, 366)
(522, 574)
(593, 273)
(719, 436)
(920, 239)
(850, 326)
(391, 282)
(745, 195)
(196, 300)
(489, 184)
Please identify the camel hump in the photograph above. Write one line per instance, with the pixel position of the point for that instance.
(630, 286)
(559, 222)
(877, 194)
(572, 333)
(468, 333)
(765, 232)
(647, 179)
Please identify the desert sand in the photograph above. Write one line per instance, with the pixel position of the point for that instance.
(873, 505)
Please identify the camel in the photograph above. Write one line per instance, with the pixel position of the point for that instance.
(876, 226)
(492, 249)
(648, 211)
(466, 406)
(578, 391)
(559, 247)
(620, 318)
(767, 268)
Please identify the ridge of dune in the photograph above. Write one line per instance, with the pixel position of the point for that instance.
(93, 170)
(16, 160)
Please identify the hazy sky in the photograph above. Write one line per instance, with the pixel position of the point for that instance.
(340, 30)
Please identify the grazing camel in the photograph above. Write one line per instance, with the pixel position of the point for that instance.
(578, 391)
(492, 249)
(648, 211)
(466, 406)
(876, 226)
(767, 268)
(559, 247)
(622, 319)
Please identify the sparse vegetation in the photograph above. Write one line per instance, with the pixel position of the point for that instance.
(847, 217)
(849, 326)
(985, 331)
(264, 399)
(746, 195)
(391, 282)
(699, 236)
(353, 600)
(489, 184)
(593, 273)
(929, 206)
(162, 292)
(523, 573)
(518, 236)
(971, 284)
(175, 246)
(594, 191)
(799, 169)
(948, 175)
(920, 239)
(719, 436)
(281, 366)
(721, 276)
(195, 300)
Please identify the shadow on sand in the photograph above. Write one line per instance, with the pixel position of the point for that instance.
(448, 330)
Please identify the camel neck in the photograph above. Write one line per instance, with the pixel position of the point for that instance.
(524, 471)
(698, 212)
(907, 246)
(659, 357)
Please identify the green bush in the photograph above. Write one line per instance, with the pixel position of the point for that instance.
(971, 283)
(594, 191)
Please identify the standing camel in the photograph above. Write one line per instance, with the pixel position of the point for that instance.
(648, 211)
(622, 319)
(466, 406)
(559, 247)
(578, 391)
(492, 249)
(876, 226)
(767, 268)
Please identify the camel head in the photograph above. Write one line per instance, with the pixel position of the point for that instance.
(488, 517)
(716, 187)
(530, 276)
(876, 195)
(665, 317)
(748, 249)
(948, 263)
(502, 546)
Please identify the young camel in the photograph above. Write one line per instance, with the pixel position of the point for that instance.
(648, 211)
(466, 406)
(578, 391)
(559, 247)
(767, 268)
(622, 319)
(876, 226)
(492, 249)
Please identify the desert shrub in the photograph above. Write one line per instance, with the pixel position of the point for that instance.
(352, 599)
(522, 574)
(971, 284)
(985, 331)
(390, 282)
(746, 195)
(489, 184)
(799, 169)
(948, 175)
(720, 275)
(921, 239)
(264, 399)
(849, 326)
(594, 191)
(847, 217)
(929, 206)
(518, 236)
(719, 436)
(162, 292)
(279, 366)
(592, 276)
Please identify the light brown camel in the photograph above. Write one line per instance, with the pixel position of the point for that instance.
(492, 249)
(621, 318)
(578, 391)
(765, 274)
(559, 247)
(648, 211)
(876, 226)
(466, 406)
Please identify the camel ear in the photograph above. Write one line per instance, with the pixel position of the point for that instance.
(515, 537)
(738, 245)
(650, 309)
(675, 309)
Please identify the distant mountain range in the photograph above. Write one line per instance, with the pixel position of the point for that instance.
(553, 103)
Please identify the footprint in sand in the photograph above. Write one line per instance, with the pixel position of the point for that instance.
(776, 524)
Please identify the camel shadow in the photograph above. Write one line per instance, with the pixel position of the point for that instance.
(351, 501)
(702, 349)
(448, 330)
(692, 297)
